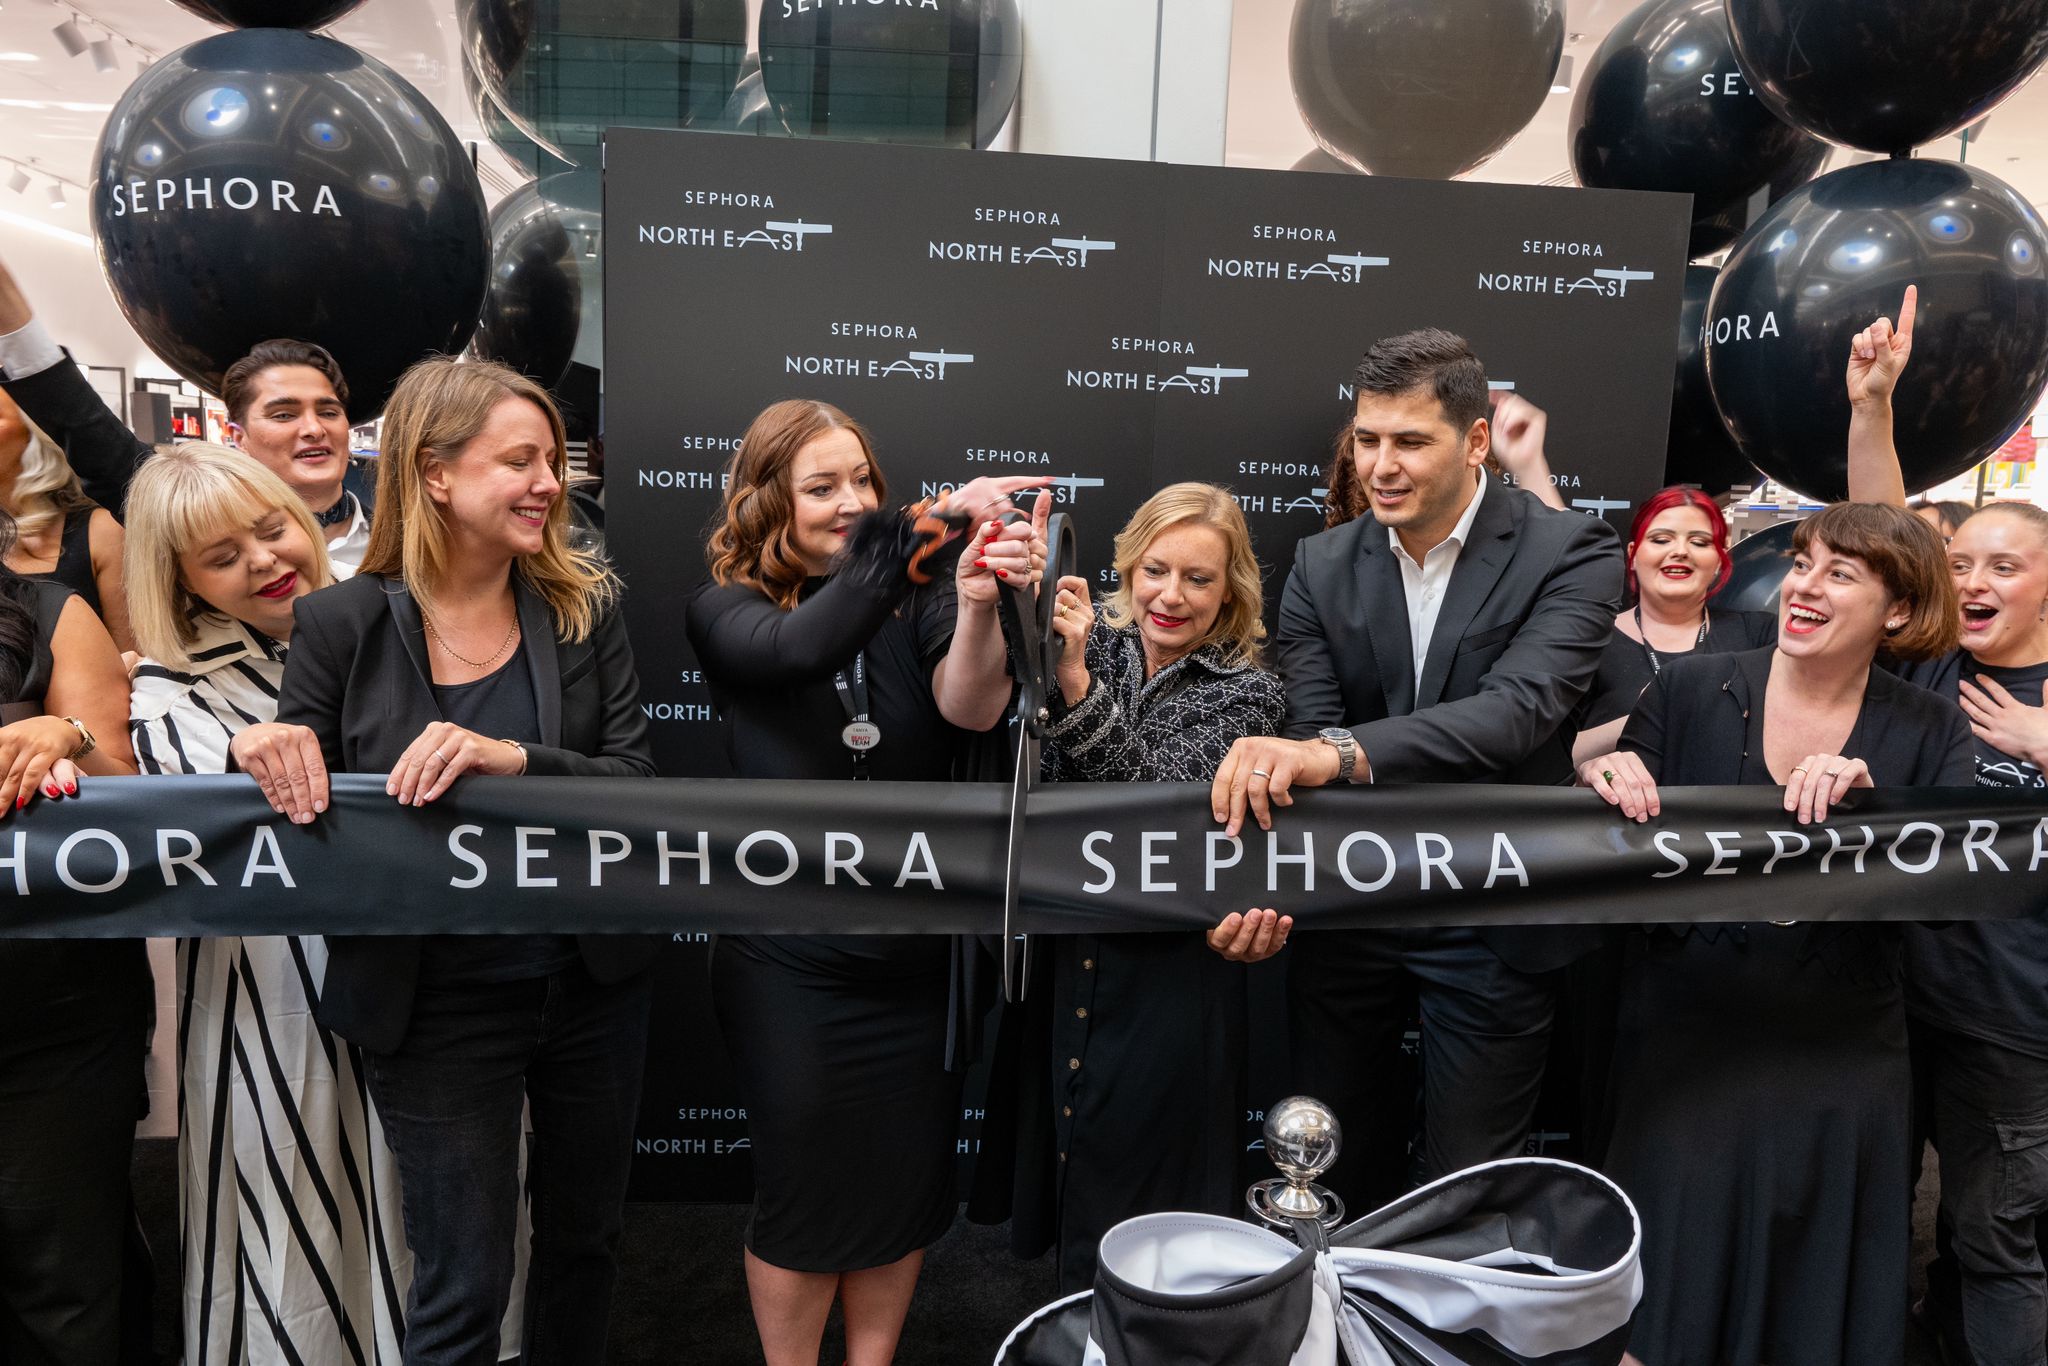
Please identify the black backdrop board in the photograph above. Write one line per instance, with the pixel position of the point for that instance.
(1117, 325)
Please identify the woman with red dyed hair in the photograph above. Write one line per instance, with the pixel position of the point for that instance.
(1677, 560)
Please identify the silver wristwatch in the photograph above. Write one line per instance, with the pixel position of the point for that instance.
(1346, 746)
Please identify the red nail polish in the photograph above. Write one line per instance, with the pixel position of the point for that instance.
(71, 789)
(1002, 573)
(20, 802)
(981, 564)
(50, 791)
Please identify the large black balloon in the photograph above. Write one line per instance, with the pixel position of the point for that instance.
(1887, 75)
(1839, 252)
(1700, 450)
(1662, 106)
(935, 71)
(269, 13)
(1427, 88)
(546, 277)
(1759, 564)
(564, 71)
(1719, 231)
(272, 183)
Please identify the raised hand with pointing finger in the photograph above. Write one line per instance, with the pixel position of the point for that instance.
(1878, 354)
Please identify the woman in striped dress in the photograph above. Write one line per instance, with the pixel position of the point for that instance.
(294, 1249)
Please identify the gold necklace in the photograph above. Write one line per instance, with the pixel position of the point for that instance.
(496, 655)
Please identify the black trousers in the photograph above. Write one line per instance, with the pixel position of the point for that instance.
(1485, 1039)
(71, 1090)
(1986, 1109)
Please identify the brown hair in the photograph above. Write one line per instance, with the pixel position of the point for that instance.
(238, 385)
(437, 409)
(750, 545)
(1240, 626)
(1347, 501)
(2033, 516)
(1904, 552)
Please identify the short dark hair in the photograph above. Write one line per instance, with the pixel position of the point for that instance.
(238, 385)
(1431, 358)
(1907, 555)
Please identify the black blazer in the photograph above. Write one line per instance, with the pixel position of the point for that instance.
(1690, 727)
(1518, 638)
(101, 451)
(357, 673)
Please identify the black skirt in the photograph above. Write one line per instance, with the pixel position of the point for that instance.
(839, 1044)
(1760, 1103)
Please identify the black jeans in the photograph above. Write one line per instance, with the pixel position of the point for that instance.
(1986, 1109)
(1485, 1040)
(450, 1101)
(72, 1016)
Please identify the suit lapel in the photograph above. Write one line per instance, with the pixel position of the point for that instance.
(1487, 551)
(1386, 619)
(542, 651)
(412, 631)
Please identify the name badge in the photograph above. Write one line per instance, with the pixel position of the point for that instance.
(861, 736)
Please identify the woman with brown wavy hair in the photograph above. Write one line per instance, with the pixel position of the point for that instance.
(826, 659)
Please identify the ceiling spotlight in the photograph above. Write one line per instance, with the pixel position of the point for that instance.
(56, 194)
(72, 37)
(18, 180)
(1561, 83)
(103, 58)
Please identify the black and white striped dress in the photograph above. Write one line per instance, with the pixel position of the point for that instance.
(295, 1248)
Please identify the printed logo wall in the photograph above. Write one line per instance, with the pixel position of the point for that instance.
(1115, 325)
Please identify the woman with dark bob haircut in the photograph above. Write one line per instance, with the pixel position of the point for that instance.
(1761, 1084)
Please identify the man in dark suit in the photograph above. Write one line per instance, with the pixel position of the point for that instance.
(1445, 638)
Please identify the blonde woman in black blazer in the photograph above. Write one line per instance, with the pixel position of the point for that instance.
(475, 641)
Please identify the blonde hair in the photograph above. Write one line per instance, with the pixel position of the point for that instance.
(184, 496)
(1240, 627)
(46, 488)
(437, 409)
(751, 543)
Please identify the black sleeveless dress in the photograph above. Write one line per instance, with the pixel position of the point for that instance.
(74, 560)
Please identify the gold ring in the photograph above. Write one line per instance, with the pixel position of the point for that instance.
(1799, 768)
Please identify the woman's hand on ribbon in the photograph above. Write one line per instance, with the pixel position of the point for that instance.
(35, 756)
(1821, 780)
(1621, 778)
(443, 753)
(287, 765)
(1251, 937)
(1002, 555)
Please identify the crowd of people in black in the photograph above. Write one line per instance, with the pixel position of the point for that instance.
(417, 1148)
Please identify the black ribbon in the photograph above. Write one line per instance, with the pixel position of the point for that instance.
(206, 856)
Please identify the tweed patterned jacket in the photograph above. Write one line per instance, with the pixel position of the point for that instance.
(1174, 727)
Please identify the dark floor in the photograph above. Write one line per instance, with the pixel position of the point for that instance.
(682, 1300)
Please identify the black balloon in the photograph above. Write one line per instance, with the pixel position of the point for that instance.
(563, 72)
(269, 13)
(934, 71)
(272, 183)
(1700, 451)
(1421, 88)
(1718, 232)
(1887, 75)
(1662, 106)
(1839, 252)
(546, 277)
(1759, 564)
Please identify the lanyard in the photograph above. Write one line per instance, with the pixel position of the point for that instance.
(860, 734)
(1657, 665)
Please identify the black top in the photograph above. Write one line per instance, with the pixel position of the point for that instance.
(501, 706)
(1984, 978)
(1625, 668)
(45, 601)
(770, 673)
(74, 559)
(359, 676)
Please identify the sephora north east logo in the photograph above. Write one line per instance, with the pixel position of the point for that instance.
(1156, 365)
(1021, 237)
(1564, 269)
(733, 220)
(1295, 255)
(878, 351)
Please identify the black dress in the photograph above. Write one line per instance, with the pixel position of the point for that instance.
(1625, 668)
(74, 559)
(1146, 1038)
(1760, 1089)
(839, 1041)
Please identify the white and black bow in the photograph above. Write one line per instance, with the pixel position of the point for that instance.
(1524, 1262)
